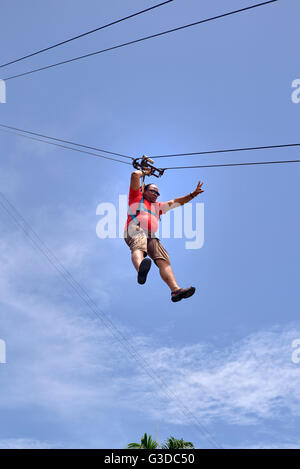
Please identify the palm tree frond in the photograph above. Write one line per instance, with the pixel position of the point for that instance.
(174, 443)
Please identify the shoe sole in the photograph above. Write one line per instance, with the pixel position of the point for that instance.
(187, 294)
(143, 271)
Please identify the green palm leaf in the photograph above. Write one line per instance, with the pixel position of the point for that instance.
(146, 443)
(174, 443)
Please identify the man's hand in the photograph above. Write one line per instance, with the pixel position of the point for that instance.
(147, 171)
(187, 198)
(140, 173)
(135, 177)
(198, 189)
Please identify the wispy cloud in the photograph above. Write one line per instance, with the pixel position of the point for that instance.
(26, 443)
(252, 381)
(62, 358)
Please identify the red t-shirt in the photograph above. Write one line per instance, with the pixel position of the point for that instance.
(148, 221)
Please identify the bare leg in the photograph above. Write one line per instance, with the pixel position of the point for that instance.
(167, 274)
(137, 256)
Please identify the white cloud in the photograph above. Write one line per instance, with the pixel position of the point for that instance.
(269, 445)
(61, 357)
(26, 443)
(253, 380)
(58, 351)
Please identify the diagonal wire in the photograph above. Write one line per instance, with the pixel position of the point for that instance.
(84, 34)
(234, 164)
(139, 40)
(211, 152)
(64, 146)
(38, 244)
(172, 167)
(65, 141)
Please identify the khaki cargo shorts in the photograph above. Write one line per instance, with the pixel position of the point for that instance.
(144, 242)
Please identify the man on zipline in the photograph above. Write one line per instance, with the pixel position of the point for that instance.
(142, 223)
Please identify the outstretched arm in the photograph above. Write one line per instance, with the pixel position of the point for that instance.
(186, 198)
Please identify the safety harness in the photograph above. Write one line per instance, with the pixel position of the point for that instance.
(141, 208)
(145, 162)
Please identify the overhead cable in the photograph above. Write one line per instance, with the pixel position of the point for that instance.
(166, 168)
(139, 40)
(234, 164)
(64, 141)
(210, 152)
(64, 146)
(84, 34)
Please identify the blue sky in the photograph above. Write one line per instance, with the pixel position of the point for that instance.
(226, 352)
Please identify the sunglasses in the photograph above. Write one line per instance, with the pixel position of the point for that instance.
(154, 192)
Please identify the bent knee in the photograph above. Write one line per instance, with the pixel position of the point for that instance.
(138, 253)
(162, 262)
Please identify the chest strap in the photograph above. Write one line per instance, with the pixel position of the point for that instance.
(141, 208)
